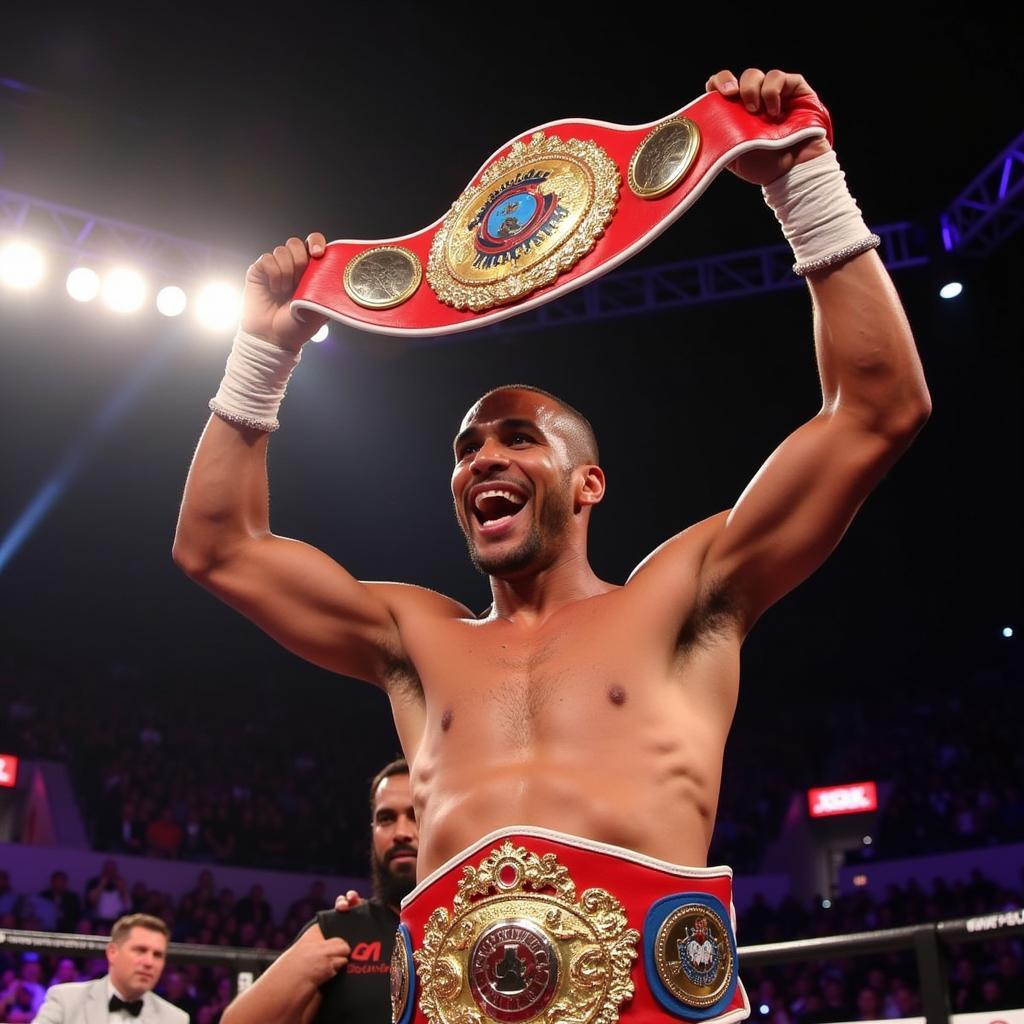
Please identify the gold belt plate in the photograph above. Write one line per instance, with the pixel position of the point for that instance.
(519, 946)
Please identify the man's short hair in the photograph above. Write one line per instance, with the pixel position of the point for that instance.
(586, 451)
(123, 926)
(397, 767)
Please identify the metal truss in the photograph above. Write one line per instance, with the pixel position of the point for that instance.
(991, 207)
(624, 293)
(696, 282)
(91, 236)
(982, 216)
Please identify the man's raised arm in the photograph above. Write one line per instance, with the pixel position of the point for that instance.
(294, 592)
(874, 397)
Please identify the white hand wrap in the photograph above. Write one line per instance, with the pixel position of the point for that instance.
(819, 217)
(254, 383)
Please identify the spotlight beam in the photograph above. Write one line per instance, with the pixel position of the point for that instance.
(79, 453)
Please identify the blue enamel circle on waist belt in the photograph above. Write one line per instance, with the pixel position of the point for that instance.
(690, 955)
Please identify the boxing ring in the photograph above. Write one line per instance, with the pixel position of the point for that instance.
(926, 941)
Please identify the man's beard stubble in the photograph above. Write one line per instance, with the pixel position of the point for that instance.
(554, 517)
(388, 887)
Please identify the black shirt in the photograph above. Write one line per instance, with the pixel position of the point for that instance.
(360, 993)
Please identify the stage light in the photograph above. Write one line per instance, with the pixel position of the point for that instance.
(83, 284)
(320, 335)
(1008, 632)
(860, 881)
(951, 290)
(124, 291)
(765, 1009)
(218, 306)
(21, 265)
(171, 301)
(867, 840)
(826, 904)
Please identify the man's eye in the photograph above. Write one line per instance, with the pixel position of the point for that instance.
(521, 439)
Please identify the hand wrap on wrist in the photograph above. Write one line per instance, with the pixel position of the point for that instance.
(254, 383)
(819, 217)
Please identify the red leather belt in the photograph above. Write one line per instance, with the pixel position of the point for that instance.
(550, 211)
(532, 925)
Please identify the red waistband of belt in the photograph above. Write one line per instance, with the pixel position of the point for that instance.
(486, 934)
(537, 222)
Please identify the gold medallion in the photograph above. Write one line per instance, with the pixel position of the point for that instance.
(520, 947)
(535, 213)
(663, 157)
(382, 277)
(693, 955)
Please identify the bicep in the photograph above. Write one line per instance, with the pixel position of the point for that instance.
(795, 511)
(306, 601)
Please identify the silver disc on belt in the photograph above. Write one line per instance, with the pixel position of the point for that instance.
(513, 970)
(383, 277)
(664, 157)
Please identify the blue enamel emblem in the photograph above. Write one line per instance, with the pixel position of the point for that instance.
(699, 950)
(515, 218)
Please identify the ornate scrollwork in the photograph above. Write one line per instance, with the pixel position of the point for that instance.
(519, 947)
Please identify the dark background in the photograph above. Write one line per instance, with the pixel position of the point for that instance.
(367, 120)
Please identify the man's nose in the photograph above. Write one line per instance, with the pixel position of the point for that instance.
(406, 830)
(489, 455)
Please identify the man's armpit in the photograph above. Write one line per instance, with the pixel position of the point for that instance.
(716, 615)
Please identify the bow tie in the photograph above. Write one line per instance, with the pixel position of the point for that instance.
(134, 1007)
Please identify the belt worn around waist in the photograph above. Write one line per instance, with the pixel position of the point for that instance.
(530, 925)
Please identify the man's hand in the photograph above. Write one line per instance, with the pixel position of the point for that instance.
(269, 286)
(768, 95)
(314, 959)
(348, 901)
(288, 992)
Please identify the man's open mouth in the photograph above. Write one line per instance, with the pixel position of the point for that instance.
(494, 506)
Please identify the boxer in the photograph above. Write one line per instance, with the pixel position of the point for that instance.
(566, 747)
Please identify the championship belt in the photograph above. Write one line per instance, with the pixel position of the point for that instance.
(550, 211)
(530, 926)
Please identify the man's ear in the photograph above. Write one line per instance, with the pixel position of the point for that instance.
(591, 488)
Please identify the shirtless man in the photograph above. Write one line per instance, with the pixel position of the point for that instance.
(577, 705)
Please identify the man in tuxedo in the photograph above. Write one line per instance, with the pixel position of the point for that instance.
(136, 956)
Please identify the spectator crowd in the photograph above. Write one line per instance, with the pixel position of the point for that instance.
(178, 773)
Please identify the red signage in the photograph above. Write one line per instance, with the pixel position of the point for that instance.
(8, 770)
(855, 798)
